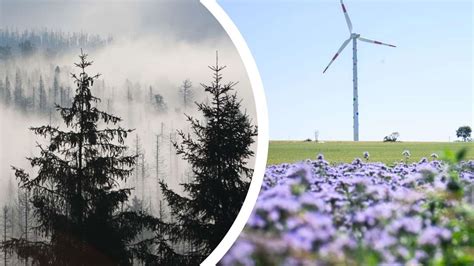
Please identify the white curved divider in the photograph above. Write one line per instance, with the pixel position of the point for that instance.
(263, 136)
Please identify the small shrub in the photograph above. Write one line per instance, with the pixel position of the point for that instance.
(392, 137)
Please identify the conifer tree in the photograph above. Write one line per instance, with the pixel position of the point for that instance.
(150, 95)
(56, 89)
(23, 209)
(33, 99)
(18, 93)
(75, 192)
(2, 91)
(160, 104)
(5, 228)
(42, 102)
(218, 152)
(159, 160)
(8, 93)
(187, 93)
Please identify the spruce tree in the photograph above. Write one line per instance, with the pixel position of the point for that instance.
(218, 151)
(32, 103)
(75, 189)
(150, 95)
(2, 91)
(160, 104)
(42, 105)
(187, 93)
(6, 226)
(56, 89)
(8, 93)
(19, 95)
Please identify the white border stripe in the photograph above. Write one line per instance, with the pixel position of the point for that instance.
(263, 138)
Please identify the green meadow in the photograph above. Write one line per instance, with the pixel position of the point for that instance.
(346, 151)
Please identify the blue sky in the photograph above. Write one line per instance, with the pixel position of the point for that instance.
(422, 89)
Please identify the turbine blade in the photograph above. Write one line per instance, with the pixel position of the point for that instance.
(344, 44)
(375, 42)
(346, 15)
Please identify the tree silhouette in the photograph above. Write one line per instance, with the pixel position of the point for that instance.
(75, 192)
(160, 104)
(393, 137)
(464, 132)
(42, 96)
(6, 226)
(8, 93)
(218, 151)
(56, 89)
(19, 95)
(187, 93)
(2, 91)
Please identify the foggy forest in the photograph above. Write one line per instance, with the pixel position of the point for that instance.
(41, 74)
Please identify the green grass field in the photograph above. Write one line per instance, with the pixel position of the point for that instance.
(346, 151)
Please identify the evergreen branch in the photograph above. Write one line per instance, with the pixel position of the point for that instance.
(40, 251)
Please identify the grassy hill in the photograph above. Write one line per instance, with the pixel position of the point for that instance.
(346, 151)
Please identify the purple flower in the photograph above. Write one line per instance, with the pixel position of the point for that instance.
(239, 254)
(433, 236)
(411, 225)
(301, 238)
(366, 155)
(315, 213)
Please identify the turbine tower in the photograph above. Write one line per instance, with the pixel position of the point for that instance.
(354, 37)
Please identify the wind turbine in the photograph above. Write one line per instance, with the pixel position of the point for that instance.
(354, 37)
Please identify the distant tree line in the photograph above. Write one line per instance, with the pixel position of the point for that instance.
(27, 94)
(27, 42)
(38, 92)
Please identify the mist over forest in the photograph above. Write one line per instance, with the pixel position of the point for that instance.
(150, 78)
(141, 81)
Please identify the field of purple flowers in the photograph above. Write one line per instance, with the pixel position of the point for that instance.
(362, 213)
